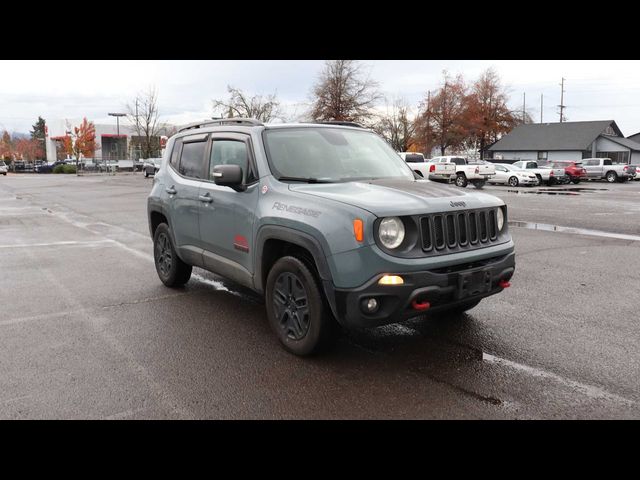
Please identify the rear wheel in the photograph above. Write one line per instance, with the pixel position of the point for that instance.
(461, 180)
(146, 174)
(611, 177)
(575, 180)
(173, 272)
(539, 182)
(513, 181)
(296, 307)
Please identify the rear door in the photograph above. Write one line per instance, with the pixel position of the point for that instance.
(227, 216)
(185, 173)
(593, 168)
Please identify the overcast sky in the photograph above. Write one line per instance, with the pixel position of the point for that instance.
(594, 90)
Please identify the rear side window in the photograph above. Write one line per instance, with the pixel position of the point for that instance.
(458, 161)
(175, 153)
(413, 158)
(607, 162)
(191, 159)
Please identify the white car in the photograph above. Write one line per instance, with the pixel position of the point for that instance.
(3, 168)
(507, 174)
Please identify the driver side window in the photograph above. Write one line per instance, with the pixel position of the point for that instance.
(230, 152)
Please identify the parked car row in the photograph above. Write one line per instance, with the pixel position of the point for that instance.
(525, 172)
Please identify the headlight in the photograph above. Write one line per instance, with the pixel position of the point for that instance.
(500, 219)
(391, 232)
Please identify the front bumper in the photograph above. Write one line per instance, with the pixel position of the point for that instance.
(443, 288)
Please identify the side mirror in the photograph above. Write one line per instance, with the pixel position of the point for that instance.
(228, 176)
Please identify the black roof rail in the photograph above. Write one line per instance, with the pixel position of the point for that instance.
(223, 121)
(340, 122)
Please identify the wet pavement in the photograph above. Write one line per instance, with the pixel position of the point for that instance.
(88, 331)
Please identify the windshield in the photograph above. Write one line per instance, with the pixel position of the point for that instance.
(331, 155)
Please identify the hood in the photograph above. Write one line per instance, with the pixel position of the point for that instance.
(389, 197)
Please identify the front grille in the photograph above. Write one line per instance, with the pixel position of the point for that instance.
(449, 232)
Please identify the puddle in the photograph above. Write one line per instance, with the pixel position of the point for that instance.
(563, 191)
(576, 231)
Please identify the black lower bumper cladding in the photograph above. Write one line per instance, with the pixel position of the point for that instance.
(423, 292)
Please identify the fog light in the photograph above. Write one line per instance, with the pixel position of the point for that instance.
(391, 280)
(370, 305)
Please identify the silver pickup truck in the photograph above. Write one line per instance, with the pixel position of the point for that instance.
(604, 168)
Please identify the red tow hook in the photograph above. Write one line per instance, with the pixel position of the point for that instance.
(504, 284)
(420, 305)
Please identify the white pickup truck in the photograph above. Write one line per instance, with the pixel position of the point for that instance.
(598, 168)
(426, 169)
(545, 174)
(467, 172)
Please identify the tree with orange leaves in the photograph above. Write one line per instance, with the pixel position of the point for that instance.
(487, 115)
(84, 141)
(29, 149)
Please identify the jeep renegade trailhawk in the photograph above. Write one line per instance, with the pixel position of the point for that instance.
(327, 222)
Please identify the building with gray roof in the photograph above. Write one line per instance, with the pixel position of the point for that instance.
(566, 141)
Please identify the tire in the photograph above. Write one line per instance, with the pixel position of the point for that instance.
(296, 307)
(146, 174)
(173, 272)
(461, 180)
(513, 181)
(478, 183)
(539, 177)
(611, 177)
(575, 181)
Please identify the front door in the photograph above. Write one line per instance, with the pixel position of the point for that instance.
(227, 216)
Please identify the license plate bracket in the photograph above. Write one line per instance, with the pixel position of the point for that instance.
(473, 283)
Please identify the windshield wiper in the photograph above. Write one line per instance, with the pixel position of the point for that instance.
(305, 179)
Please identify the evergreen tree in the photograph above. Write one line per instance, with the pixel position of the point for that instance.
(38, 129)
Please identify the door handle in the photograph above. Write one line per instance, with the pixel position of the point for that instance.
(171, 190)
(205, 198)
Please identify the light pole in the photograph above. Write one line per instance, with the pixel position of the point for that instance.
(117, 115)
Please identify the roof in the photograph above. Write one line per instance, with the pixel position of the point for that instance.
(553, 136)
(631, 144)
(634, 136)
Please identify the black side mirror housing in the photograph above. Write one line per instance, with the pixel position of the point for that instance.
(228, 176)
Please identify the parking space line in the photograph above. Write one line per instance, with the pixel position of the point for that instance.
(590, 391)
(57, 244)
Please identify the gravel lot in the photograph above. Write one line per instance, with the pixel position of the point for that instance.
(88, 331)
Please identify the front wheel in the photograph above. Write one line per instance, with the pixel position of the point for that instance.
(296, 307)
(513, 181)
(173, 272)
(461, 180)
(575, 181)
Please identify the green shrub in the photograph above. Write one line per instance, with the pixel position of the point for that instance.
(58, 169)
(69, 169)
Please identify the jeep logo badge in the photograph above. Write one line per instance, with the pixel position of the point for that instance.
(458, 204)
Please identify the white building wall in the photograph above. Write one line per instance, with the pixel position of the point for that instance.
(562, 155)
(605, 145)
(516, 155)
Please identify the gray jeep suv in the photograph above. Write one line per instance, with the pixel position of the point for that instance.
(327, 222)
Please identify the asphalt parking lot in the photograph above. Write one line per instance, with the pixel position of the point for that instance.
(88, 331)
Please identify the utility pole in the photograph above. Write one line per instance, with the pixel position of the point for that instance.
(428, 146)
(562, 107)
(541, 106)
(524, 103)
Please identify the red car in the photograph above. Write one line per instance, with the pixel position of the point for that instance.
(574, 170)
